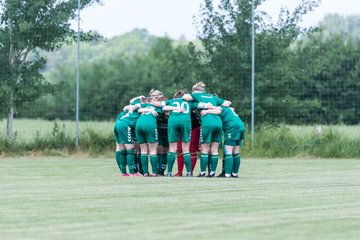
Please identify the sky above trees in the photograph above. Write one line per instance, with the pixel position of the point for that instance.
(174, 18)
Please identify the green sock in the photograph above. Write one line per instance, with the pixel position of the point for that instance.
(187, 161)
(154, 163)
(214, 162)
(144, 163)
(163, 162)
(159, 162)
(209, 163)
(170, 160)
(204, 159)
(136, 163)
(120, 157)
(236, 165)
(130, 160)
(229, 162)
(138, 160)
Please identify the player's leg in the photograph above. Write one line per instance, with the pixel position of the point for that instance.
(120, 156)
(194, 146)
(137, 159)
(185, 135)
(130, 157)
(214, 149)
(214, 153)
(171, 157)
(180, 158)
(205, 140)
(229, 160)
(236, 154)
(187, 159)
(173, 137)
(153, 158)
(144, 157)
(237, 161)
(127, 139)
(162, 157)
(222, 174)
(204, 158)
(120, 152)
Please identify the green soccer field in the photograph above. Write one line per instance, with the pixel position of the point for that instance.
(72, 198)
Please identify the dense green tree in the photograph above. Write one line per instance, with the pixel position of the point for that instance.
(27, 27)
(108, 81)
(112, 82)
(328, 69)
(225, 62)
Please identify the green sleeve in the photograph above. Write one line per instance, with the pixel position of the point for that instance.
(219, 101)
(119, 116)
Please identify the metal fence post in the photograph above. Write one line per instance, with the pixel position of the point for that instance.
(252, 72)
(78, 76)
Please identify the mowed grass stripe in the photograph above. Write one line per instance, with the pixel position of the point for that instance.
(67, 198)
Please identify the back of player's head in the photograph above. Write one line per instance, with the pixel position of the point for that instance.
(179, 93)
(199, 87)
(155, 93)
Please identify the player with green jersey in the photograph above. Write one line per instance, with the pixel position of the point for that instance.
(147, 136)
(234, 132)
(124, 136)
(162, 126)
(179, 126)
(211, 128)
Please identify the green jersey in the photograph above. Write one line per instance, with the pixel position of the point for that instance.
(147, 119)
(230, 119)
(233, 127)
(207, 98)
(208, 119)
(129, 118)
(146, 128)
(176, 116)
(119, 116)
(179, 122)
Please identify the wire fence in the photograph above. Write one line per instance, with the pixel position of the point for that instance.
(272, 74)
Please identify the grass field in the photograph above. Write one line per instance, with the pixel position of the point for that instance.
(73, 198)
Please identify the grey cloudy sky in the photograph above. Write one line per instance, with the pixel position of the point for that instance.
(175, 17)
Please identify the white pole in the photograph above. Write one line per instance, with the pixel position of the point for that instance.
(252, 72)
(78, 76)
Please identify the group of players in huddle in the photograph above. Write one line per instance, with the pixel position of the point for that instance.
(156, 129)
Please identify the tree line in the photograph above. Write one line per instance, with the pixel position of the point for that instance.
(303, 75)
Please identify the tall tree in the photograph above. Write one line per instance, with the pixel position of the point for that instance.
(26, 27)
(225, 61)
(327, 65)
